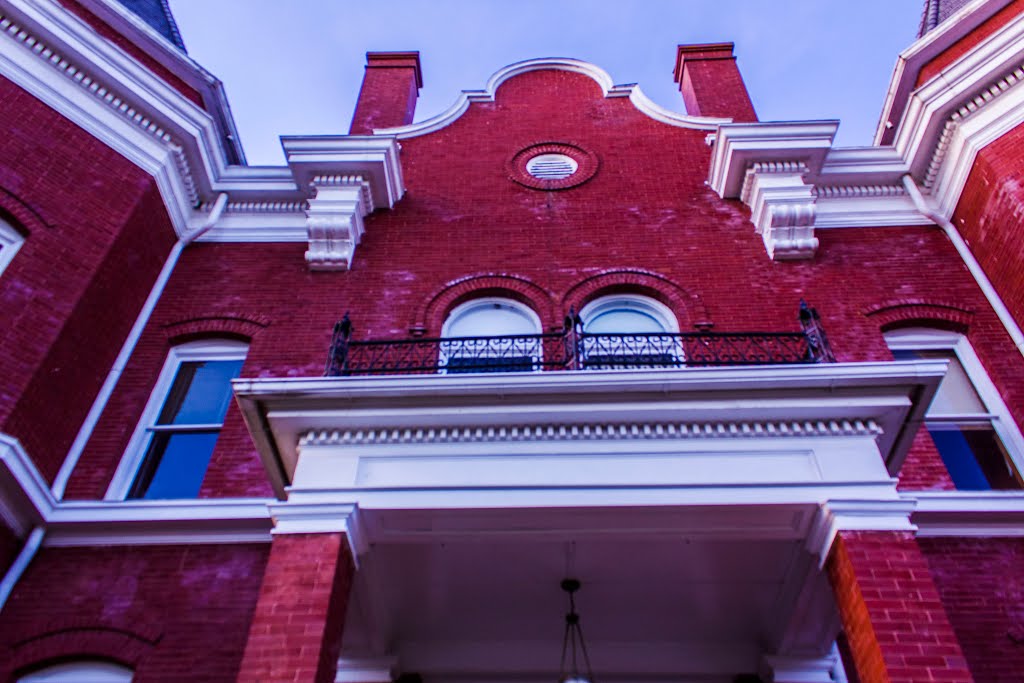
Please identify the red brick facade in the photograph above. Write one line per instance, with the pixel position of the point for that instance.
(173, 613)
(643, 219)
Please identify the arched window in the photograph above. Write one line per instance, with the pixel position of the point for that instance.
(968, 421)
(491, 335)
(171, 448)
(80, 672)
(629, 331)
(10, 241)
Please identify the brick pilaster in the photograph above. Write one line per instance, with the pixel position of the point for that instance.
(894, 620)
(295, 635)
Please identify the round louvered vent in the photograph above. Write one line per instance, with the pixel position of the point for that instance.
(551, 166)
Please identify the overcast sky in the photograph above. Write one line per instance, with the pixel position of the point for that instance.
(294, 66)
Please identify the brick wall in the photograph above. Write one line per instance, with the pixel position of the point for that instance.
(990, 216)
(894, 621)
(981, 582)
(97, 237)
(173, 613)
(645, 218)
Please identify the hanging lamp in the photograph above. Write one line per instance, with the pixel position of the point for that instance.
(573, 647)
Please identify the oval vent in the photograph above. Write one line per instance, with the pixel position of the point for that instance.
(551, 166)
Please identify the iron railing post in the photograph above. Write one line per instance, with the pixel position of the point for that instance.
(573, 332)
(337, 359)
(818, 348)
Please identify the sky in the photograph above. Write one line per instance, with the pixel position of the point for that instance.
(293, 67)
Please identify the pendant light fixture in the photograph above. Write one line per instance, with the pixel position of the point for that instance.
(574, 650)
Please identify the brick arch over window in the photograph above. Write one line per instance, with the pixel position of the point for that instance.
(80, 639)
(946, 315)
(431, 314)
(688, 306)
(229, 325)
(20, 215)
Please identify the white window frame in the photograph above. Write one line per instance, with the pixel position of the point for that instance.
(462, 310)
(643, 304)
(998, 415)
(91, 671)
(10, 242)
(138, 446)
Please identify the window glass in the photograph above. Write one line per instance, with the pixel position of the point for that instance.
(201, 392)
(621, 319)
(80, 672)
(504, 324)
(181, 423)
(628, 331)
(10, 241)
(489, 319)
(965, 432)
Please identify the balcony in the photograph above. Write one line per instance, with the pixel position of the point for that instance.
(574, 349)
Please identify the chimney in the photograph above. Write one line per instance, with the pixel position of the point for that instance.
(390, 87)
(711, 84)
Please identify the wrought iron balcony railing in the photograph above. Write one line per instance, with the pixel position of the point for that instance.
(574, 349)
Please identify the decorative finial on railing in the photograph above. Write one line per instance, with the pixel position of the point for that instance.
(818, 348)
(337, 359)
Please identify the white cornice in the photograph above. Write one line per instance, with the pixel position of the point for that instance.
(598, 75)
(922, 51)
(26, 502)
(280, 411)
(968, 513)
(857, 515)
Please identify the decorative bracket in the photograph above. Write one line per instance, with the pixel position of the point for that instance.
(335, 220)
(348, 176)
(782, 208)
(766, 165)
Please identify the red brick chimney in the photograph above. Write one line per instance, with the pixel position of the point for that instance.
(391, 86)
(711, 84)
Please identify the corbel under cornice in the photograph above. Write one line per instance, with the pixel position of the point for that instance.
(348, 177)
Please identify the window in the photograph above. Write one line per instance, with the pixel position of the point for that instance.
(80, 672)
(628, 331)
(469, 333)
(170, 450)
(968, 421)
(10, 241)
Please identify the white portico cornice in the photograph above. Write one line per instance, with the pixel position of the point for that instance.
(882, 402)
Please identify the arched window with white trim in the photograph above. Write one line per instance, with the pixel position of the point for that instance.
(973, 431)
(80, 672)
(10, 241)
(168, 455)
(629, 331)
(491, 335)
